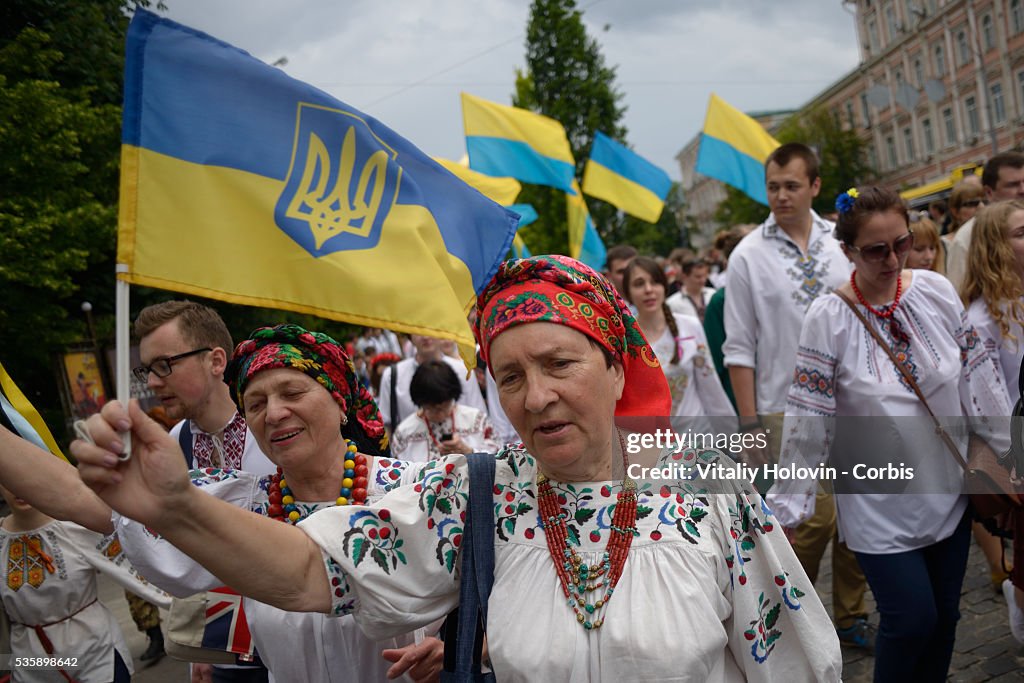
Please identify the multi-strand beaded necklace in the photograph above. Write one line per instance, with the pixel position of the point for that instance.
(588, 588)
(353, 488)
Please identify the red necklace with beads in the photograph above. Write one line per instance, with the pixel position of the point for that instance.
(886, 312)
(588, 588)
(353, 488)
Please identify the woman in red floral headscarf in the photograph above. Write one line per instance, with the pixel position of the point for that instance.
(703, 581)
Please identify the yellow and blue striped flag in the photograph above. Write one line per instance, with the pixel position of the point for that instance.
(584, 243)
(623, 178)
(18, 414)
(733, 149)
(527, 215)
(242, 184)
(521, 144)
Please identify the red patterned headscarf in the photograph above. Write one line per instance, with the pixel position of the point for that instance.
(320, 357)
(561, 290)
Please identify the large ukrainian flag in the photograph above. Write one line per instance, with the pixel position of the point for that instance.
(242, 184)
(521, 144)
(733, 149)
(623, 178)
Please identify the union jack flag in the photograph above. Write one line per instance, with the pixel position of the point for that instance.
(226, 628)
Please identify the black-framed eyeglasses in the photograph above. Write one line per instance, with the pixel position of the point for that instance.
(162, 367)
(876, 253)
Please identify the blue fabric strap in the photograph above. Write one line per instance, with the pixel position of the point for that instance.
(477, 575)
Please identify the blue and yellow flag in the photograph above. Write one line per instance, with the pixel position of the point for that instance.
(624, 179)
(527, 215)
(18, 413)
(584, 243)
(242, 184)
(521, 144)
(733, 149)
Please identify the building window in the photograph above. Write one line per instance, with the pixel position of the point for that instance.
(1017, 15)
(890, 148)
(873, 36)
(1020, 85)
(919, 72)
(890, 22)
(908, 143)
(971, 109)
(865, 110)
(898, 73)
(940, 61)
(950, 125)
(929, 140)
(998, 104)
(849, 114)
(988, 37)
(962, 50)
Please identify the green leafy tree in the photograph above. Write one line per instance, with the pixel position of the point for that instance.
(567, 79)
(738, 208)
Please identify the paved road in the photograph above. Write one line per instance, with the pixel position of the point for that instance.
(985, 650)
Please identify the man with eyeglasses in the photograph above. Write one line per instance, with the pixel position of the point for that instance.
(774, 275)
(1002, 179)
(184, 348)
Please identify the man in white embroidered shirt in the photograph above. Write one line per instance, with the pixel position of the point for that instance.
(774, 275)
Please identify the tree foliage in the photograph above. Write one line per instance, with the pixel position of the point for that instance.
(566, 78)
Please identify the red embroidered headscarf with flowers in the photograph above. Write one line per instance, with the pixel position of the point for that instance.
(320, 357)
(561, 290)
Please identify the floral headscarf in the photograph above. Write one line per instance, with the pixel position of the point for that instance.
(320, 357)
(561, 290)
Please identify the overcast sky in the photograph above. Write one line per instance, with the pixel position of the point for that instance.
(406, 61)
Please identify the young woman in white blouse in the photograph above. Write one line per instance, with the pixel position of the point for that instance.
(993, 290)
(910, 532)
(680, 344)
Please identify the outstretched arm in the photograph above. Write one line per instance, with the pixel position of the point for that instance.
(49, 484)
(261, 558)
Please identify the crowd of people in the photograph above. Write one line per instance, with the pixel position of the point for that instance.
(821, 340)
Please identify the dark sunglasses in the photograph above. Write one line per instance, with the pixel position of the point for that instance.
(162, 367)
(972, 202)
(877, 253)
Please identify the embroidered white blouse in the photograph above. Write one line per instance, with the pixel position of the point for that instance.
(842, 372)
(711, 590)
(771, 284)
(696, 389)
(64, 600)
(295, 646)
(1006, 353)
(415, 441)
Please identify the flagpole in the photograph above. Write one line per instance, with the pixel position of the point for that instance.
(122, 349)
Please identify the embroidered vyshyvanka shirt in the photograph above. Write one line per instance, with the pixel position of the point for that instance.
(711, 590)
(1006, 353)
(415, 442)
(66, 598)
(294, 646)
(696, 389)
(771, 284)
(842, 373)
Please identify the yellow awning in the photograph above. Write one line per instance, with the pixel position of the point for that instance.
(925, 190)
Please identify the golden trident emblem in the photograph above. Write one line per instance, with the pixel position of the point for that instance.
(330, 212)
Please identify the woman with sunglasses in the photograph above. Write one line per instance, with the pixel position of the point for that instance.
(906, 518)
(993, 290)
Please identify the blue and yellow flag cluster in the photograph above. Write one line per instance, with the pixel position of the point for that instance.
(508, 141)
(623, 178)
(733, 149)
(242, 184)
(18, 414)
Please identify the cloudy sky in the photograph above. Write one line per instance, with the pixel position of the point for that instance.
(406, 61)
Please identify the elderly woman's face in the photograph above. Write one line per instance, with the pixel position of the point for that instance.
(294, 419)
(560, 396)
